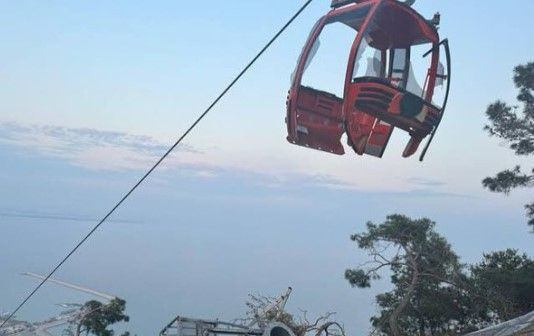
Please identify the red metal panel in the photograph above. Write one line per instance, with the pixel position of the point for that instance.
(378, 139)
(318, 121)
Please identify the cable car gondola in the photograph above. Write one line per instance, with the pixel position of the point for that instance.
(381, 89)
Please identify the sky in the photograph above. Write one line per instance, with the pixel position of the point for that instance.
(92, 92)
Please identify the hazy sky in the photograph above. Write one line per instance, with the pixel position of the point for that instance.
(91, 92)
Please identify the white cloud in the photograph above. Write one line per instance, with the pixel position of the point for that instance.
(89, 148)
(425, 182)
(279, 166)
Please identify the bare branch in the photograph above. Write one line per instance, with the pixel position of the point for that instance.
(259, 305)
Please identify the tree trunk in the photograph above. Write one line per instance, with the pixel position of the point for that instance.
(394, 317)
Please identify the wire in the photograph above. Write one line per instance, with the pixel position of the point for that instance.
(169, 151)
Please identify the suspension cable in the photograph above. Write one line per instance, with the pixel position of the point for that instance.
(169, 151)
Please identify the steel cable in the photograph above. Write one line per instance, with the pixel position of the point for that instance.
(169, 151)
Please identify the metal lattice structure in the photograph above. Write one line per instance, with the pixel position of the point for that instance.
(258, 325)
(183, 326)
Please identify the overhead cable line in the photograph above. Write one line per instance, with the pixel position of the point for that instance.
(169, 151)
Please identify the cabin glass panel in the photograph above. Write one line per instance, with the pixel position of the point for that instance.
(440, 88)
(419, 69)
(325, 69)
(370, 61)
(392, 49)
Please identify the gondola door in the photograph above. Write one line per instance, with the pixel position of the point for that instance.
(366, 133)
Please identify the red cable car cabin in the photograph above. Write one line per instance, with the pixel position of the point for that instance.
(390, 41)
